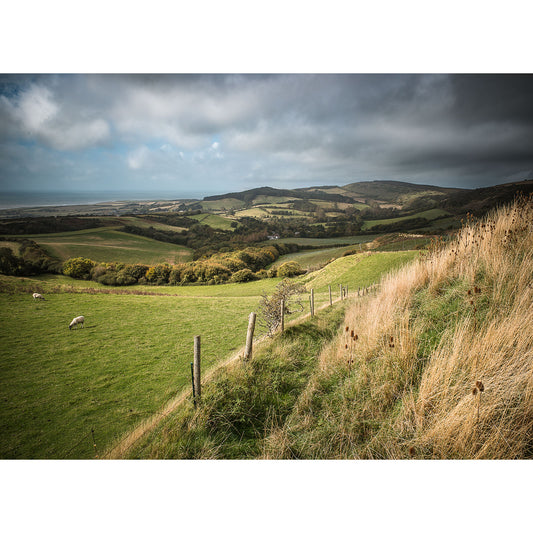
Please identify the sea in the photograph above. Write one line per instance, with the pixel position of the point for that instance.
(14, 199)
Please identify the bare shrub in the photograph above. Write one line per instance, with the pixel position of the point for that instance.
(269, 313)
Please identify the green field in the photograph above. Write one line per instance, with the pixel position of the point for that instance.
(47, 283)
(105, 244)
(430, 214)
(443, 223)
(257, 212)
(292, 213)
(359, 270)
(143, 223)
(262, 199)
(215, 221)
(132, 356)
(333, 241)
(224, 204)
(315, 258)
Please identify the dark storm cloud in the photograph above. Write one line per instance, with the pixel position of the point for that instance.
(231, 131)
(484, 98)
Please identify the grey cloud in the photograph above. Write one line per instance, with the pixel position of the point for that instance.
(299, 128)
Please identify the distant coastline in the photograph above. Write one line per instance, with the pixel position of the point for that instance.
(20, 199)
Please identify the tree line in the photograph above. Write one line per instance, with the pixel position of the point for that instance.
(239, 266)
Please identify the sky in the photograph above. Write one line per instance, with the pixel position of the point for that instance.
(205, 134)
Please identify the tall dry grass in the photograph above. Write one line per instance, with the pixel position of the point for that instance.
(439, 364)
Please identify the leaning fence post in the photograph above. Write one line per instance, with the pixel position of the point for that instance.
(312, 302)
(330, 300)
(197, 384)
(340, 289)
(282, 312)
(249, 337)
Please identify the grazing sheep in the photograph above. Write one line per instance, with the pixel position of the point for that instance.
(37, 296)
(76, 321)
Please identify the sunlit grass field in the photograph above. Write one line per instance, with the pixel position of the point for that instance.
(430, 214)
(105, 244)
(358, 270)
(215, 221)
(315, 258)
(132, 355)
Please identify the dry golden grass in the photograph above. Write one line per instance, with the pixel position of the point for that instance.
(438, 364)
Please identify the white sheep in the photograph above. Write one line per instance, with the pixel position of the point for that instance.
(76, 321)
(37, 296)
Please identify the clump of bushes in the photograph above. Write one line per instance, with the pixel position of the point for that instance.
(243, 275)
(158, 274)
(78, 267)
(290, 269)
(235, 266)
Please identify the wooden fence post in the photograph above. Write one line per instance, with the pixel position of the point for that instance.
(197, 381)
(249, 337)
(340, 289)
(282, 310)
(330, 300)
(312, 302)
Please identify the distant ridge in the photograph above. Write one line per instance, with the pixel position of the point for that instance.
(403, 194)
(251, 194)
(385, 190)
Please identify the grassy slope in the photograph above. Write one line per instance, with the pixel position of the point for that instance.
(143, 223)
(313, 258)
(241, 405)
(257, 212)
(409, 386)
(244, 401)
(358, 270)
(105, 244)
(222, 204)
(304, 241)
(215, 221)
(429, 215)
